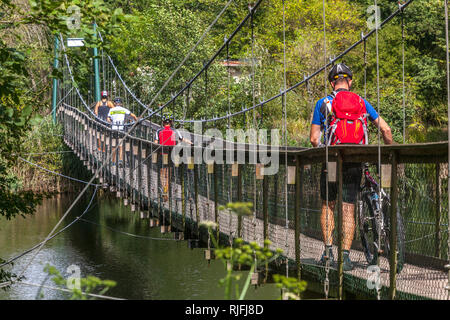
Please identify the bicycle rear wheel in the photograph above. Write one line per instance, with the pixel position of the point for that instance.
(400, 235)
(368, 230)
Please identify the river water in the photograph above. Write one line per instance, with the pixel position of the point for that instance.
(143, 268)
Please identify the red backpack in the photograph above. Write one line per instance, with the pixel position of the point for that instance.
(167, 136)
(348, 122)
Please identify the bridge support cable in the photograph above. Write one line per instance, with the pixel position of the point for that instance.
(55, 81)
(327, 242)
(403, 72)
(378, 127)
(284, 108)
(448, 124)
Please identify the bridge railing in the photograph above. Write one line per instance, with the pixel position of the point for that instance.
(415, 177)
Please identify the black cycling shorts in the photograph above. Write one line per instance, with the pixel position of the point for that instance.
(352, 173)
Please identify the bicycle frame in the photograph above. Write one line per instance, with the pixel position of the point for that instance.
(371, 190)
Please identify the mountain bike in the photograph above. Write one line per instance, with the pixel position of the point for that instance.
(374, 222)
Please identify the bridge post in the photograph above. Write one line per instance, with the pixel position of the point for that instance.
(91, 143)
(197, 218)
(158, 185)
(96, 70)
(437, 228)
(116, 160)
(149, 179)
(131, 148)
(239, 198)
(108, 149)
(77, 135)
(298, 203)
(393, 228)
(183, 197)
(139, 174)
(124, 166)
(55, 81)
(216, 203)
(265, 207)
(169, 177)
(340, 225)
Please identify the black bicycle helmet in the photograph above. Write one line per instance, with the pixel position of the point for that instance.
(339, 70)
(117, 100)
(167, 119)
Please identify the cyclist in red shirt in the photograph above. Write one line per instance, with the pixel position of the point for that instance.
(167, 136)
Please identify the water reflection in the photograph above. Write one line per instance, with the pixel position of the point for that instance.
(142, 268)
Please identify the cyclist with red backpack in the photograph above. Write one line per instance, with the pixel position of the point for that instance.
(341, 118)
(167, 136)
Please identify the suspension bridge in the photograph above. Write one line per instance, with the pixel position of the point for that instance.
(287, 205)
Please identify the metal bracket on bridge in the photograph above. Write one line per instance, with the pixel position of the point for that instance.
(259, 171)
(210, 167)
(234, 170)
(386, 170)
(331, 171)
(291, 174)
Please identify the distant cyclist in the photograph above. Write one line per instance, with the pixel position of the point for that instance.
(101, 110)
(167, 136)
(346, 124)
(116, 117)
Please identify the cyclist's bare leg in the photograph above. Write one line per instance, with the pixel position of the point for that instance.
(327, 222)
(114, 155)
(348, 212)
(121, 153)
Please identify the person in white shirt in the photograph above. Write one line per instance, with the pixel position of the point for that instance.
(116, 117)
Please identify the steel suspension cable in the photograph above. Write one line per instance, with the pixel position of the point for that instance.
(379, 133)
(285, 141)
(448, 124)
(403, 73)
(127, 233)
(255, 125)
(228, 83)
(365, 66)
(327, 240)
